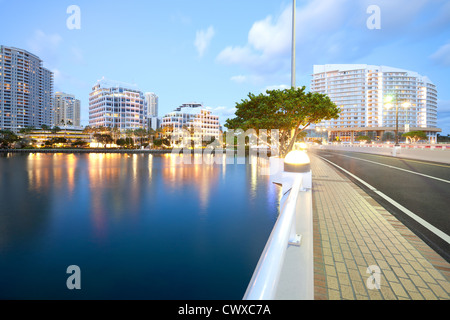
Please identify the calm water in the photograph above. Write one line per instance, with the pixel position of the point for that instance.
(138, 226)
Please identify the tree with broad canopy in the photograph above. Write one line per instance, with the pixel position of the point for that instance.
(291, 111)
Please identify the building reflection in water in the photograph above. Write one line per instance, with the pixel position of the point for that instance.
(56, 170)
(118, 184)
(127, 211)
(25, 200)
(201, 177)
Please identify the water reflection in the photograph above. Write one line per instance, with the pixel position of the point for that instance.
(22, 191)
(202, 177)
(142, 226)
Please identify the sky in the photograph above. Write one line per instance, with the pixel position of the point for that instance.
(217, 51)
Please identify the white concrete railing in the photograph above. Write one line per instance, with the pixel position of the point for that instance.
(403, 146)
(266, 277)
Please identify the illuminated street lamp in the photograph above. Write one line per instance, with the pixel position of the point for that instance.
(393, 99)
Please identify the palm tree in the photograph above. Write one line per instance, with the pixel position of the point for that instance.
(27, 130)
(159, 132)
(130, 134)
(115, 132)
(7, 138)
(65, 127)
(151, 133)
(90, 130)
(55, 129)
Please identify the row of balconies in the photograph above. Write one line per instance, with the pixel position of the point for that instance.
(99, 115)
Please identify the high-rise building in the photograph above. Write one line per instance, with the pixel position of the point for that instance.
(154, 123)
(26, 90)
(67, 110)
(152, 104)
(115, 104)
(194, 117)
(151, 100)
(368, 96)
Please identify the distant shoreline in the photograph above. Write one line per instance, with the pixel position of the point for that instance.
(90, 151)
(137, 151)
(119, 151)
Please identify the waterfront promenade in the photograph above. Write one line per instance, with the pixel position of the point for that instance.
(352, 233)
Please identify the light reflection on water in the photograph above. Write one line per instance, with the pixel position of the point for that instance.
(139, 226)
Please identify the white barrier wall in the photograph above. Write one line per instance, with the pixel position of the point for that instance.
(436, 153)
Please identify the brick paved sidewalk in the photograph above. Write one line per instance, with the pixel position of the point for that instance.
(352, 232)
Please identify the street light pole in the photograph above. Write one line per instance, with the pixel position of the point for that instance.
(293, 45)
(394, 98)
(293, 54)
(396, 123)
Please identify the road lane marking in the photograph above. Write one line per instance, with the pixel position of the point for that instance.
(391, 157)
(392, 167)
(409, 213)
(409, 160)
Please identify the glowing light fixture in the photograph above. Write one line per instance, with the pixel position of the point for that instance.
(388, 99)
(302, 146)
(297, 161)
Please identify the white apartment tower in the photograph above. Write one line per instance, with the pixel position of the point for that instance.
(67, 110)
(368, 95)
(26, 90)
(193, 116)
(115, 104)
(152, 104)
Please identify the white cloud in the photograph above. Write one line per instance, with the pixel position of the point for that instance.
(442, 55)
(224, 113)
(253, 79)
(180, 17)
(77, 55)
(327, 31)
(203, 39)
(45, 45)
(267, 40)
(62, 79)
(277, 87)
(239, 79)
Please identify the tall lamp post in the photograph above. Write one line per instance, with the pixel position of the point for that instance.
(293, 45)
(394, 98)
(293, 52)
(389, 99)
(406, 105)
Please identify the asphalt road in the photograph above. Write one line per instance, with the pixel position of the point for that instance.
(423, 188)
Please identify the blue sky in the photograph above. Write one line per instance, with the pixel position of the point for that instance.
(217, 51)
